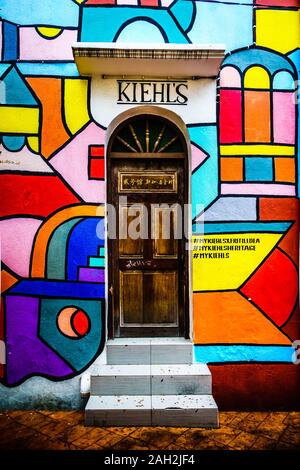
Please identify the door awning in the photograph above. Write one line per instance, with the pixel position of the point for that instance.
(148, 60)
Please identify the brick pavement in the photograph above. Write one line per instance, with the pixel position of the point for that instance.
(65, 430)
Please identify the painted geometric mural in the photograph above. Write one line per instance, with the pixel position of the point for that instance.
(244, 176)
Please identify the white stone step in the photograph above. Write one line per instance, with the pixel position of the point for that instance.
(182, 379)
(118, 410)
(184, 411)
(156, 410)
(121, 379)
(149, 351)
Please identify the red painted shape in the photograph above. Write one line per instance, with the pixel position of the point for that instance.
(292, 326)
(149, 3)
(278, 3)
(96, 169)
(230, 116)
(256, 387)
(97, 151)
(38, 195)
(81, 323)
(283, 208)
(100, 2)
(274, 287)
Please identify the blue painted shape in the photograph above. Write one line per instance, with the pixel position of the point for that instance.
(17, 92)
(242, 353)
(283, 81)
(183, 12)
(230, 25)
(65, 289)
(102, 24)
(3, 68)
(40, 12)
(295, 58)
(13, 143)
(77, 352)
(254, 55)
(96, 262)
(10, 41)
(61, 69)
(259, 169)
(84, 241)
(57, 250)
(141, 31)
(205, 179)
(102, 251)
(230, 208)
(242, 227)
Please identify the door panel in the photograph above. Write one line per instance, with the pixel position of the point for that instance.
(128, 247)
(131, 299)
(164, 222)
(161, 298)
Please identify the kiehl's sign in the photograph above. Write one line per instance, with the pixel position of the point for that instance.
(152, 91)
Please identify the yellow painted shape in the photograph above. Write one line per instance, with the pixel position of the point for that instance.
(229, 318)
(48, 227)
(229, 273)
(259, 149)
(19, 120)
(76, 103)
(48, 32)
(33, 143)
(257, 77)
(278, 29)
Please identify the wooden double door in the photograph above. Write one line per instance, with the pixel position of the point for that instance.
(148, 263)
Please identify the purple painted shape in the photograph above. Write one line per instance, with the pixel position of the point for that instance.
(91, 275)
(26, 353)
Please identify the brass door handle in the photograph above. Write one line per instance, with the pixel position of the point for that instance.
(111, 290)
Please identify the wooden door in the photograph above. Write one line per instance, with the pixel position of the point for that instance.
(147, 258)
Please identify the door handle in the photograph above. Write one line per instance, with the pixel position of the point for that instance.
(111, 290)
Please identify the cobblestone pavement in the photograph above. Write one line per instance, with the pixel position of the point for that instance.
(65, 430)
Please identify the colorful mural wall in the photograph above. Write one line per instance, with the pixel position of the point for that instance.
(245, 175)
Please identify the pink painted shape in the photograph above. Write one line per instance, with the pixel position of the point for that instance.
(258, 189)
(72, 163)
(127, 2)
(230, 116)
(198, 157)
(230, 77)
(17, 235)
(35, 47)
(284, 117)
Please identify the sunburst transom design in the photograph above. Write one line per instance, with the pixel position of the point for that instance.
(147, 135)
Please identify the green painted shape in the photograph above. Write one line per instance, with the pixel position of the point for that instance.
(56, 258)
(77, 352)
(96, 262)
(102, 252)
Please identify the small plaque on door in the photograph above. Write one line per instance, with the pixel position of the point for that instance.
(159, 182)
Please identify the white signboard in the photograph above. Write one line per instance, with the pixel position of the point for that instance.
(193, 100)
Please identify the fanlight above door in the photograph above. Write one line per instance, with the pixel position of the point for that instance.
(144, 136)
